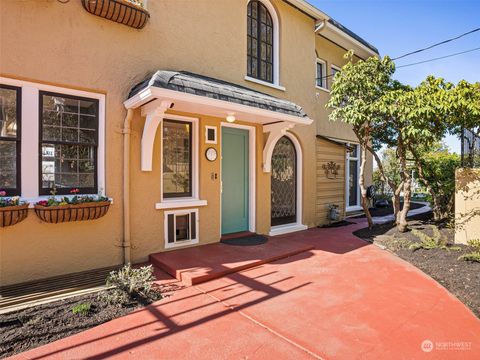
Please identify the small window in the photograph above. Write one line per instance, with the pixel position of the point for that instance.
(10, 123)
(353, 163)
(333, 70)
(321, 80)
(68, 144)
(210, 134)
(181, 227)
(259, 42)
(177, 159)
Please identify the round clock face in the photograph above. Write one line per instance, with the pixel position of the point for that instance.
(211, 154)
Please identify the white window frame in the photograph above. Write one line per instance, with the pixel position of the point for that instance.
(176, 213)
(324, 78)
(215, 130)
(276, 50)
(30, 134)
(337, 69)
(349, 207)
(169, 203)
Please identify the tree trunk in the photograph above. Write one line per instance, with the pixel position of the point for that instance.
(436, 208)
(396, 189)
(361, 182)
(402, 224)
(396, 202)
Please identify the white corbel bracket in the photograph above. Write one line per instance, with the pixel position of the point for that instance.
(154, 112)
(276, 131)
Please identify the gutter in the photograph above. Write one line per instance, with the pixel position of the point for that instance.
(339, 143)
(126, 131)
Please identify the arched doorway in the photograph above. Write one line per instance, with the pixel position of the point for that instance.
(284, 183)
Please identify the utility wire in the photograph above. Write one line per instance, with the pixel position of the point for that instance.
(437, 44)
(438, 58)
(418, 62)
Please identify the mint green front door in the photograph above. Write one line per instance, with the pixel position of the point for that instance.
(234, 180)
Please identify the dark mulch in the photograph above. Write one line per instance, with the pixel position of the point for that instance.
(389, 210)
(337, 224)
(42, 324)
(461, 278)
(250, 240)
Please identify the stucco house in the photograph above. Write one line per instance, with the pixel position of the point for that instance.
(207, 119)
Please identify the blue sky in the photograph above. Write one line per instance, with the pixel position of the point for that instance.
(396, 27)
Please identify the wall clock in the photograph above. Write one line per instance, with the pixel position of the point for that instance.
(211, 154)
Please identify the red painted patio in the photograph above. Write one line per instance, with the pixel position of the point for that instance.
(340, 299)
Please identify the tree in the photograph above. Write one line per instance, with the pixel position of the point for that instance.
(465, 114)
(355, 91)
(439, 172)
(417, 118)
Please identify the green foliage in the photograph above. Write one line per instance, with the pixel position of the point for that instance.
(473, 256)
(436, 241)
(439, 170)
(131, 284)
(475, 243)
(81, 309)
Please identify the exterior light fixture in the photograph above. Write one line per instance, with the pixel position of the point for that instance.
(230, 118)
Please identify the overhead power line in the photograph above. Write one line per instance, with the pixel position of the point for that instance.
(421, 62)
(438, 58)
(437, 44)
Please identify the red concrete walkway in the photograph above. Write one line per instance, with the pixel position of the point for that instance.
(342, 300)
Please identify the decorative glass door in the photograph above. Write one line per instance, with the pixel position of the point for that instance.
(284, 183)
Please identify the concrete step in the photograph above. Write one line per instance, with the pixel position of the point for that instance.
(203, 263)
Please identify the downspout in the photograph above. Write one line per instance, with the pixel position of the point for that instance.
(126, 186)
(319, 26)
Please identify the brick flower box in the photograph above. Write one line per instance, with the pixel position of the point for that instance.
(11, 215)
(121, 11)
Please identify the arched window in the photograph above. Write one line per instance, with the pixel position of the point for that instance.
(260, 42)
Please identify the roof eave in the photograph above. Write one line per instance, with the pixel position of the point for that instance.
(221, 107)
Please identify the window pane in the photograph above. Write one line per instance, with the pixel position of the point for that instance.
(320, 75)
(8, 164)
(66, 120)
(68, 166)
(182, 229)
(8, 113)
(353, 183)
(177, 158)
(354, 152)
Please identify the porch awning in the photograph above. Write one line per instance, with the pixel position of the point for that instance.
(197, 94)
(200, 94)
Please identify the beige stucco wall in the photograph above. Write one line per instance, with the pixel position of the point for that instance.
(62, 44)
(467, 205)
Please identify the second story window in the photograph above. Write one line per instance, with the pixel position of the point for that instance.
(333, 70)
(321, 74)
(260, 42)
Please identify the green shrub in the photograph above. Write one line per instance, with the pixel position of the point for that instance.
(131, 284)
(81, 309)
(436, 241)
(475, 254)
(475, 243)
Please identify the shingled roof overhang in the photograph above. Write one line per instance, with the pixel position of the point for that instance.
(199, 94)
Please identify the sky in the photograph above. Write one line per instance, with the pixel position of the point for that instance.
(397, 27)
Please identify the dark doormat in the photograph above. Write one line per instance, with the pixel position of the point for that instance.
(337, 224)
(250, 240)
